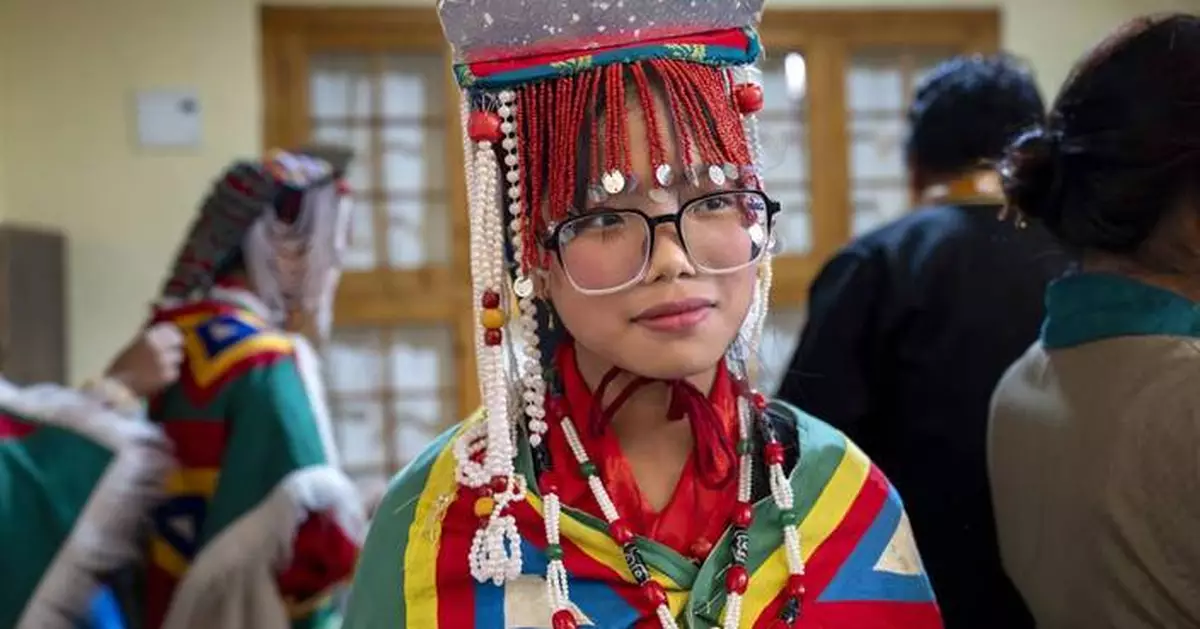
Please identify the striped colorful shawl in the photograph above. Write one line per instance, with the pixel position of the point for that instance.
(863, 566)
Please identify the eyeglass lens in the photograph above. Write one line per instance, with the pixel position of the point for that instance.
(608, 249)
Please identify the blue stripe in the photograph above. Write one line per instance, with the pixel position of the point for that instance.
(857, 580)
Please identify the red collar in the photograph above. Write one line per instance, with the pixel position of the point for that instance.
(679, 524)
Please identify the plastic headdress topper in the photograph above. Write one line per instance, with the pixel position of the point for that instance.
(479, 29)
(500, 43)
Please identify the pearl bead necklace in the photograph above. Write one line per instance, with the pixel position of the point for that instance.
(737, 577)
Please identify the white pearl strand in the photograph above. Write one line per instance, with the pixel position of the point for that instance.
(533, 393)
(745, 493)
(495, 553)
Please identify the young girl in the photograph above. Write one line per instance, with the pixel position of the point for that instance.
(623, 471)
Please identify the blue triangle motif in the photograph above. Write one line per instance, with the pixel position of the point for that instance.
(223, 332)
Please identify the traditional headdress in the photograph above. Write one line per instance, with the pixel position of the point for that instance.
(534, 73)
(283, 217)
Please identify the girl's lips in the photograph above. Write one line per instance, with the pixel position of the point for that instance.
(675, 316)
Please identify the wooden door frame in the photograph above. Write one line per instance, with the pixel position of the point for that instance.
(371, 298)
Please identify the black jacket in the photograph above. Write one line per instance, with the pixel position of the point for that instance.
(910, 328)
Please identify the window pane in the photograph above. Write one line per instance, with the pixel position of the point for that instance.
(393, 111)
(793, 228)
(418, 234)
(359, 430)
(879, 85)
(354, 362)
(339, 86)
(785, 148)
(422, 386)
(414, 86)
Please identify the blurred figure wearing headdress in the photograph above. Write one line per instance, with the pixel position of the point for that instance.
(623, 471)
(260, 527)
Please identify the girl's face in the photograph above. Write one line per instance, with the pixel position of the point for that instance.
(677, 321)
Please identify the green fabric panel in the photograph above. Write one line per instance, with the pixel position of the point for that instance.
(822, 449)
(377, 594)
(272, 433)
(46, 479)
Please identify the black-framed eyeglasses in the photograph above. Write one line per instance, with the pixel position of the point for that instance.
(607, 250)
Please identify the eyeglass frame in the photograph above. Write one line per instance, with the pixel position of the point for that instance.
(551, 242)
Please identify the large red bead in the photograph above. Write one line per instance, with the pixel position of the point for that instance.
(773, 453)
(621, 532)
(484, 126)
(490, 299)
(499, 484)
(795, 586)
(759, 401)
(492, 337)
(654, 594)
(748, 97)
(564, 619)
(736, 580)
(743, 515)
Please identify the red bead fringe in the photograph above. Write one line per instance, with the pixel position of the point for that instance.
(555, 117)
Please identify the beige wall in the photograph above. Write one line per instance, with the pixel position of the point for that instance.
(67, 160)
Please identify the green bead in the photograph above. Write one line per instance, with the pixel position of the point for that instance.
(789, 517)
(588, 469)
(744, 447)
(554, 552)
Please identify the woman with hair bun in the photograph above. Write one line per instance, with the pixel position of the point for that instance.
(1095, 432)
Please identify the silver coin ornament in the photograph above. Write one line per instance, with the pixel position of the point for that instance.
(716, 175)
(523, 287)
(613, 182)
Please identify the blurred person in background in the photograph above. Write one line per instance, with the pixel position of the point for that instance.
(1095, 435)
(80, 471)
(911, 326)
(260, 527)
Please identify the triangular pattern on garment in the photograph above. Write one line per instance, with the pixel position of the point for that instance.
(223, 332)
(597, 604)
(885, 565)
(175, 517)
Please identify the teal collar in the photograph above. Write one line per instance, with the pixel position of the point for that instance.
(1088, 307)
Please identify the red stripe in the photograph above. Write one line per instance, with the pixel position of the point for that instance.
(200, 307)
(824, 564)
(499, 61)
(203, 395)
(160, 586)
(872, 615)
(198, 443)
(13, 428)
(455, 585)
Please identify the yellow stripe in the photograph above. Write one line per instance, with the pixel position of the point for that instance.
(192, 482)
(424, 538)
(824, 517)
(602, 549)
(206, 369)
(166, 557)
